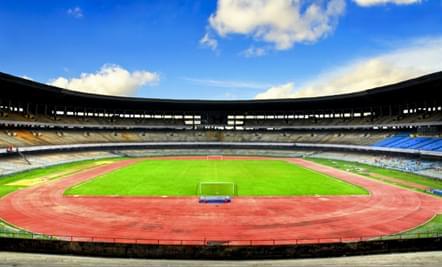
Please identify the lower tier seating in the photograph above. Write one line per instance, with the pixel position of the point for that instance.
(30, 137)
(405, 141)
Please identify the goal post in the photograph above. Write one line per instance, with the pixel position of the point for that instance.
(217, 189)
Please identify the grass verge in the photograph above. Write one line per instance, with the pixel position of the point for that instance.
(433, 228)
(9, 231)
(13, 182)
(378, 172)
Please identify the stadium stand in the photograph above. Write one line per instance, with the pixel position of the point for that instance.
(420, 143)
(26, 137)
(400, 119)
(14, 164)
(422, 166)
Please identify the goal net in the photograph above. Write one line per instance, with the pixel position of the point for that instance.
(217, 189)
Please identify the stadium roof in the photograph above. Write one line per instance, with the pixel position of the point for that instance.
(424, 89)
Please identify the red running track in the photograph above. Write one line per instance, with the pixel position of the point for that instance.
(387, 210)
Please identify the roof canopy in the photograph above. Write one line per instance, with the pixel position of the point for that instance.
(422, 90)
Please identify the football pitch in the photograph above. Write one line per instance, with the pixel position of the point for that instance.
(183, 177)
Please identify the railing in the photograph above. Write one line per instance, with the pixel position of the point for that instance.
(191, 144)
(218, 242)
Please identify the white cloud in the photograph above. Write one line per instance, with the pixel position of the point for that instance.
(229, 95)
(254, 52)
(421, 57)
(281, 23)
(227, 83)
(27, 77)
(75, 12)
(109, 80)
(366, 3)
(208, 41)
(278, 91)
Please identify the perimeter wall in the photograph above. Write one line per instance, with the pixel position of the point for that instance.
(219, 251)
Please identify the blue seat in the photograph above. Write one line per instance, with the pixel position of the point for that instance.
(433, 146)
(399, 141)
(420, 143)
(388, 141)
(424, 143)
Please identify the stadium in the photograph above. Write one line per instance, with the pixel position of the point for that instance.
(287, 133)
(222, 178)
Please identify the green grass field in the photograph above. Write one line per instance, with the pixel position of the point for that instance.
(182, 177)
(7, 230)
(20, 180)
(371, 171)
(432, 228)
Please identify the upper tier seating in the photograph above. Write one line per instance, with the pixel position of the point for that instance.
(91, 121)
(432, 117)
(427, 118)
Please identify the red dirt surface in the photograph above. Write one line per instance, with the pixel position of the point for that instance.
(264, 220)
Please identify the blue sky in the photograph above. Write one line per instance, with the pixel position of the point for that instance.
(210, 49)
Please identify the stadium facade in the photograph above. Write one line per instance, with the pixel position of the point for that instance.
(410, 104)
(403, 119)
(396, 126)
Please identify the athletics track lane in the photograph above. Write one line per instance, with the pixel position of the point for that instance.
(387, 210)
